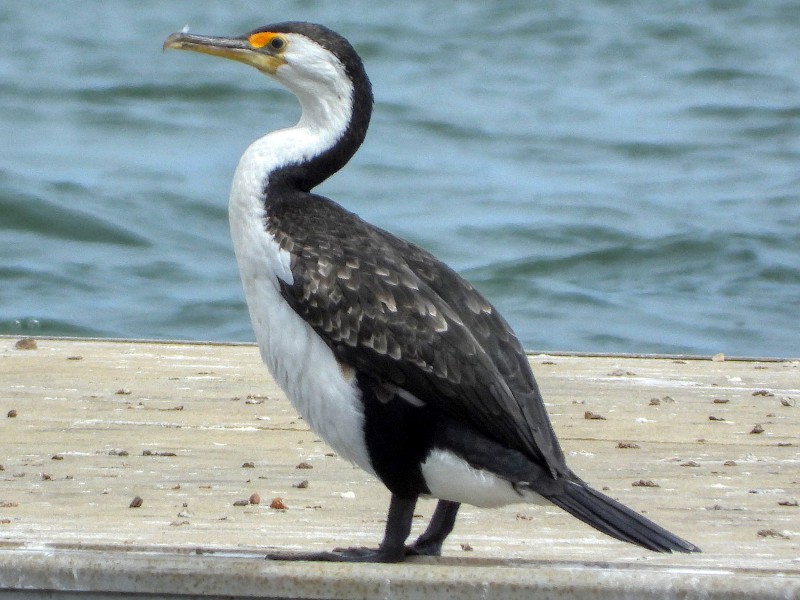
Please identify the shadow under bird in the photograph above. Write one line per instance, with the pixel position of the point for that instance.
(398, 363)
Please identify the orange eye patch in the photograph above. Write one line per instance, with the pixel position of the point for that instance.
(264, 38)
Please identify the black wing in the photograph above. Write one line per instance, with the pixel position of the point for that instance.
(391, 309)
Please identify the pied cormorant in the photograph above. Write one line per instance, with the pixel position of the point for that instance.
(398, 363)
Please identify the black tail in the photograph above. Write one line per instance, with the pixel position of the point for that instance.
(617, 520)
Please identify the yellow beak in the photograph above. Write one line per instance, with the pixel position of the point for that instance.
(238, 49)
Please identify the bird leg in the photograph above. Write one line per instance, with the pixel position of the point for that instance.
(392, 548)
(442, 523)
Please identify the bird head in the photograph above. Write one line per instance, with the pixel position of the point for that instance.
(304, 57)
(325, 73)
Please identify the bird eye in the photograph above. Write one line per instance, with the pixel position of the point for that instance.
(261, 39)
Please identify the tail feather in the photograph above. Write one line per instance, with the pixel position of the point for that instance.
(617, 520)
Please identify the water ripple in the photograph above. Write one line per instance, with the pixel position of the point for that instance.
(622, 177)
(35, 215)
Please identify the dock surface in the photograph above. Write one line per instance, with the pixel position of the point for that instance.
(224, 470)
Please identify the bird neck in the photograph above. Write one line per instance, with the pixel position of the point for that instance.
(331, 128)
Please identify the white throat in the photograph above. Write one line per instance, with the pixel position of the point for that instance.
(299, 360)
(326, 97)
(320, 82)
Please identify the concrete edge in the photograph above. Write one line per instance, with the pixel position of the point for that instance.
(174, 573)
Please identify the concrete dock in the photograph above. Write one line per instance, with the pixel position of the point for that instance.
(224, 469)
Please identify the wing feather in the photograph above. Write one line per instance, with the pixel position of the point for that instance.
(391, 309)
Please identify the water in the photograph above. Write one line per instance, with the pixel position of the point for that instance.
(615, 176)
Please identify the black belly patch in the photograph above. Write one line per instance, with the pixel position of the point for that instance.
(399, 435)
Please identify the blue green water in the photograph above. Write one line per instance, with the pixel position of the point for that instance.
(614, 175)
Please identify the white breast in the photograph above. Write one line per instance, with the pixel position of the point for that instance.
(298, 359)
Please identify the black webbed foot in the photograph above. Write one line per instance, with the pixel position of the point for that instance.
(391, 550)
(424, 549)
(360, 554)
(442, 522)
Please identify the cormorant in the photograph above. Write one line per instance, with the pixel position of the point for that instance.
(398, 363)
